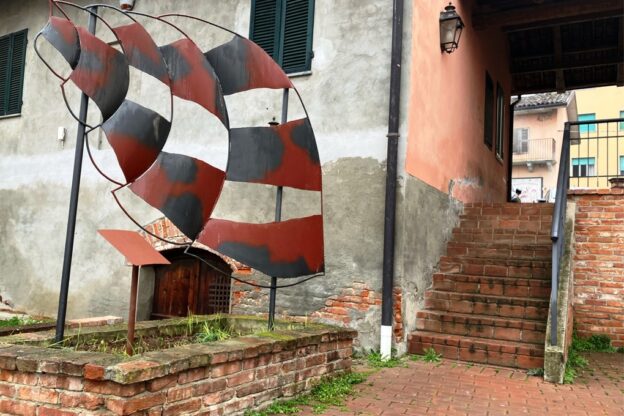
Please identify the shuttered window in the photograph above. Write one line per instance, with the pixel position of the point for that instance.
(283, 28)
(488, 120)
(12, 55)
(521, 141)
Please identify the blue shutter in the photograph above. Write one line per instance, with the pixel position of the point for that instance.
(587, 128)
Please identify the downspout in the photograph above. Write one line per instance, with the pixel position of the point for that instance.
(512, 108)
(391, 181)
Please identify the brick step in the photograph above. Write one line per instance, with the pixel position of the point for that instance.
(478, 350)
(507, 306)
(531, 238)
(511, 205)
(458, 249)
(498, 286)
(526, 268)
(509, 209)
(482, 326)
(501, 226)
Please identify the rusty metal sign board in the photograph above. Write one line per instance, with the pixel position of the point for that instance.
(133, 247)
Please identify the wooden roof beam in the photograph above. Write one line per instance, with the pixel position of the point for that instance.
(620, 70)
(534, 15)
(585, 63)
(559, 78)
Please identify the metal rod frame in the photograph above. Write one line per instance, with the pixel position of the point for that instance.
(278, 218)
(73, 203)
(134, 285)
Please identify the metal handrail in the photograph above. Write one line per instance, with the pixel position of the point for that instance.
(557, 231)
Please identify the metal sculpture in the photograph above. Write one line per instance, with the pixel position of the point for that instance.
(183, 188)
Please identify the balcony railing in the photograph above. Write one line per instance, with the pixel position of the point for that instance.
(535, 151)
(596, 152)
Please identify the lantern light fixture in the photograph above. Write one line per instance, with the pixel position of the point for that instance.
(451, 27)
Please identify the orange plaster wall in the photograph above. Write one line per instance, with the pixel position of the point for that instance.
(446, 112)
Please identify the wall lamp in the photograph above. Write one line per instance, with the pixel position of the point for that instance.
(451, 27)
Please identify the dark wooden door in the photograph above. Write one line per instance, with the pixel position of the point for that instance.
(188, 286)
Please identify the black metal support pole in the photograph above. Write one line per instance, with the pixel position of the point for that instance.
(73, 205)
(391, 179)
(278, 218)
(510, 140)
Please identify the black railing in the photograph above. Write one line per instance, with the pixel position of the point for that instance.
(557, 234)
(596, 152)
(592, 152)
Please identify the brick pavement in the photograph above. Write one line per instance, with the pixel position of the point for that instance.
(452, 388)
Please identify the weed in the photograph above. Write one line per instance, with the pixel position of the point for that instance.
(375, 360)
(211, 333)
(431, 356)
(575, 362)
(19, 321)
(537, 372)
(330, 392)
(600, 343)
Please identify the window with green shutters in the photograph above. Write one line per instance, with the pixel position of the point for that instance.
(12, 56)
(283, 28)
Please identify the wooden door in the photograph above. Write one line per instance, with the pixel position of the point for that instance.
(189, 286)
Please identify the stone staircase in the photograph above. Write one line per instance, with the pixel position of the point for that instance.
(489, 301)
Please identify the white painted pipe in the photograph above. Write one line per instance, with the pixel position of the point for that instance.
(386, 342)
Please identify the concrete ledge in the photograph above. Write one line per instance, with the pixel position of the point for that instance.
(556, 356)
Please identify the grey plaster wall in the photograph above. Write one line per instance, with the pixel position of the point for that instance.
(346, 95)
(426, 220)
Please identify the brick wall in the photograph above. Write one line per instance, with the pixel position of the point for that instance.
(344, 309)
(216, 379)
(599, 263)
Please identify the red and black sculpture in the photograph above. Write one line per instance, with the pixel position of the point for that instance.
(183, 188)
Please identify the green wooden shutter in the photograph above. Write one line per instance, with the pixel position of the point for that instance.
(265, 25)
(12, 58)
(297, 35)
(5, 50)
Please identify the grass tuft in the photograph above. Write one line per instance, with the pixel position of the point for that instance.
(374, 360)
(210, 332)
(430, 356)
(329, 392)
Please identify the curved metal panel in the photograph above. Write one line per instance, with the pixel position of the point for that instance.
(62, 34)
(284, 249)
(141, 51)
(283, 155)
(183, 188)
(192, 77)
(137, 135)
(242, 65)
(101, 73)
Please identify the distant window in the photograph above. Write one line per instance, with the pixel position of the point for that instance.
(12, 56)
(622, 122)
(521, 141)
(488, 120)
(500, 120)
(587, 128)
(583, 166)
(621, 165)
(283, 28)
